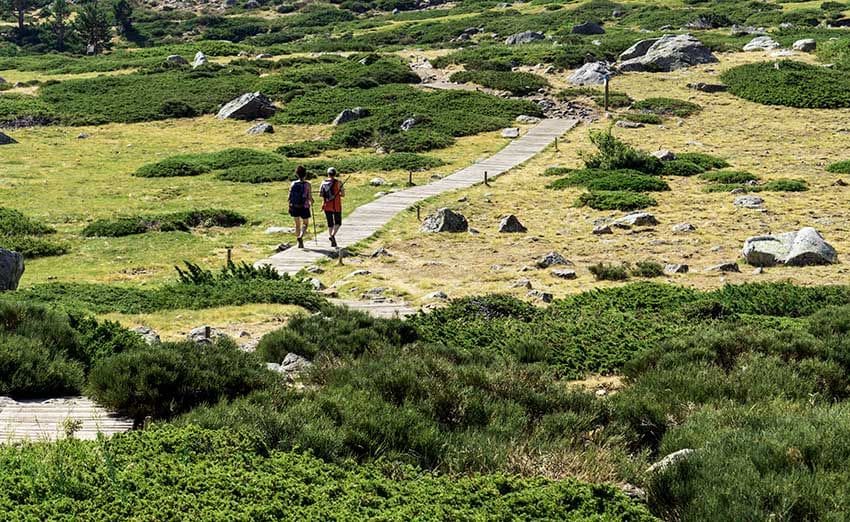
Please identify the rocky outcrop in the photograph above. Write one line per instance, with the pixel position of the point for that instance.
(588, 28)
(348, 115)
(762, 43)
(592, 73)
(524, 38)
(806, 45)
(249, 106)
(804, 247)
(667, 53)
(11, 269)
(445, 220)
(5, 139)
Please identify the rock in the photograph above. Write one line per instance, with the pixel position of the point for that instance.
(438, 295)
(252, 4)
(599, 230)
(381, 252)
(313, 269)
(592, 73)
(359, 273)
(176, 60)
(708, 87)
(280, 230)
(11, 269)
(840, 183)
(249, 106)
(637, 50)
(200, 59)
(149, 335)
(762, 43)
(782, 53)
(746, 30)
(806, 45)
(588, 28)
(638, 219)
(292, 367)
(261, 128)
(408, 124)
(627, 124)
(263, 56)
(748, 202)
(348, 115)
(680, 228)
(546, 297)
(83, 136)
(524, 38)
(664, 155)
(205, 335)
(564, 274)
(316, 284)
(703, 23)
(552, 259)
(282, 247)
(724, 267)
(5, 139)
(523, 118)
(521, 283)
(669, 460)
(804, 247)
(445, 220)
(675, 269)
(377, 182)
(758, 270)
(2, 80)
(669, 53)
(510, 132)
(511, 224)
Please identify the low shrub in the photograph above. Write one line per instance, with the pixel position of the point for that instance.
(32, 247)
(613, 154)
(667, 107)
(15, 223)
(641, 117)
(29, 369)
(839, 167)
(647, 269)
(22, 108)
(681, 167)
(728, 176)
(706, 161)
(627, 182)
(616, 99)
(789, 83)
(172, 167)
(517, 83)
(785, 185)
(609, 272)
(615, 200)
(557, 171)
(201, 163)
(176, 221)
(171, 378)
(303, 149)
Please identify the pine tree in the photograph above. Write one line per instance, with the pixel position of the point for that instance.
(93, 26)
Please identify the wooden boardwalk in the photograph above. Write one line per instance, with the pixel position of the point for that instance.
(368, 219)
(40, 420)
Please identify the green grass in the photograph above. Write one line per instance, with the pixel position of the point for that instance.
(790, 84)
(667, 107)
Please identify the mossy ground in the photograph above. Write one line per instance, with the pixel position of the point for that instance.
(771, 142)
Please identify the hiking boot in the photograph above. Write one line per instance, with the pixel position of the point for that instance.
(333, 241)
(300, 243)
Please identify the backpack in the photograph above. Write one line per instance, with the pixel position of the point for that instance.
(297, 196)
(326, 190)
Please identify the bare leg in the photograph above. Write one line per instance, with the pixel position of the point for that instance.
(298, 229)
(305, 226)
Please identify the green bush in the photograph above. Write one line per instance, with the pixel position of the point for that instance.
(681, 167)
(14, 223)
(728, 176)
(517, 83)
(615, 200)
(93, 480)
(176, 166)
(176, 221)
(613, 154)
(706, 161)
(24, 108)
(609, 272)
(647, 269)
(616, 99)
(640, 117)
(29, 369)
(789, 83)
(557, 171)
(32, 247)
(839, 167)
(785, 185)
(583, 177)
(627, 182)
(667, 107)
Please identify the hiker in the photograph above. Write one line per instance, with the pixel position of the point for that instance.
(300, 202)
(332, 192)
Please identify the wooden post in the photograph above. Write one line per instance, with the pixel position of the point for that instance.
(418, 218)
(486, 179)
(556, 144)
(606, 93)
(207, 332)
(229, 255)
(410, 178)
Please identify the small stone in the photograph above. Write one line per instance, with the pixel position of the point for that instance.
(11, 269)
(263, 56)
(762, 43)
(675, 269)
(205, 335)
(637, 219)
(313, 269)
(149, 335)
(441, 296)
(806, 45)
(283, 247)
(552, 259)
(348, 115)
(664, 155)
(511, 224)
(683, 227)
(83, 136)
(381, 252)
(670, 460)
(462, 199)
(724, 267)
(758, 270)
(599, 230)
(280, 230)
(316, 284)
(408, 124)
(521, 283)
(530, 120)
(176, 60)
(840, 183)
(564, 274)
(359, 273)
(510, 132)
(626, 124)
(473, 231)
(261, 128)
(377, 182)
(749, 202)
(546, 297)
(200, 59)
(5, 139)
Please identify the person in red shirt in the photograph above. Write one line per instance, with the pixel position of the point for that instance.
(332, 192)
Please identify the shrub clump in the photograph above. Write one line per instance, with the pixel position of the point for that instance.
(706, 161)
(641, 117)
(791, 84)
(21, 234)
(609, 272)
(627, 182)
(839, 167)
(613, 154)
(728, 176)
(172, 167)
(517, 83)
(667, 107)
(681, 167)
(615, 200)
(201, 163)
(174, 222)
(615, 99)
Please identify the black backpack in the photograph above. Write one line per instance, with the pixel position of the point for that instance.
(297, 197)
(327, 190)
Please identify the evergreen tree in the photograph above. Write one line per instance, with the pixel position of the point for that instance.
(60, 11)
(93, 26)
(123, 13)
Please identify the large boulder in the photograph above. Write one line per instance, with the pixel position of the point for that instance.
(5, 139)
(588, 28)
(762, 43)
(249, 106)
(637, 50)
(11, 269)
(806, 45)
(200, 59)
(669, 53)
(637, 219)
(348, 115)
(524, 38)
(445, 220)
(592, 73)
(801, 248)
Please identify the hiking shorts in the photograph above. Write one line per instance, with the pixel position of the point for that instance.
(334, 218)
(303, 212)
